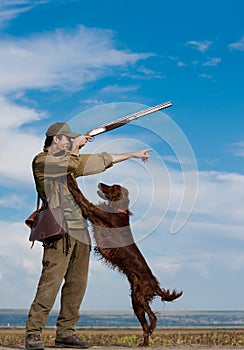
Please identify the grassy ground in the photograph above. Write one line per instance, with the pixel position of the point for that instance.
(132, 337)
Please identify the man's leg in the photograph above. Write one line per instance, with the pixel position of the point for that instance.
(73, 290)
(55, 264)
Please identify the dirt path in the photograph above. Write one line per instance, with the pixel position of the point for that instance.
(178, 347)
(164, 339)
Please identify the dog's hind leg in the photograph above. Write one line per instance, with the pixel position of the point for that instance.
(141, 316)
(151, 315)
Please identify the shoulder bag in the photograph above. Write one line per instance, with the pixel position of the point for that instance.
(47, 225)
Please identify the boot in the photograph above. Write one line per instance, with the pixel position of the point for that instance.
(73, 341)
(33, 342)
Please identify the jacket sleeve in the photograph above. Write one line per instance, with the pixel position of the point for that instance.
(93, 163)
(55, 165)
(49, 165)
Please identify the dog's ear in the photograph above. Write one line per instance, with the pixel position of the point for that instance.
(116, 193)
(121, 195)
(116, 188)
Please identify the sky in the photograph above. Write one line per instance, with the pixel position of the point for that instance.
(87, 63)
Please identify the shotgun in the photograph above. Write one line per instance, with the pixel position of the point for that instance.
(125, 120)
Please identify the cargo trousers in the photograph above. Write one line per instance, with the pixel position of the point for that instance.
(56, 268)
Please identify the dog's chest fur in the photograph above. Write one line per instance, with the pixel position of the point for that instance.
(118, 234)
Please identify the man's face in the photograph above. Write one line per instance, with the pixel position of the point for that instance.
(64, 143)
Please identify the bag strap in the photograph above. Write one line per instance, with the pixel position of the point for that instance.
(50, 194)
(61, 195)
(38, 202)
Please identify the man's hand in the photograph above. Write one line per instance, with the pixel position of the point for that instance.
(143, 154)
(79, 142)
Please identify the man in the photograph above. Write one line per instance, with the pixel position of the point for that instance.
(66, 260)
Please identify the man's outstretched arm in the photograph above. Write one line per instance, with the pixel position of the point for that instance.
(143, 155)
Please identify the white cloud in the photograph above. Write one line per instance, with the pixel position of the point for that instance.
(62, 59)
(10, 9)
(19, 265)
(178, 61)
(92, 102)
(175, 160)
(219, 197)
(12, 201)
(169, 265)
(238, 149)
(238, 46)
(181, 64)
(201, 46)
(143, 73)
(149, 73)
(119, 89)
(206, 76)
(14, 116)
(212, 62)
(19, 146)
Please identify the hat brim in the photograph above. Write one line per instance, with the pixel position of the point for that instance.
(70, 134)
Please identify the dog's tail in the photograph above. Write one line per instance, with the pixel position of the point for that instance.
(167, 295)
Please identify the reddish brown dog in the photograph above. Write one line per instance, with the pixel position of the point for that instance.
(115, 244)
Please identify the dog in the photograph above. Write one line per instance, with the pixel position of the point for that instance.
(114, 242)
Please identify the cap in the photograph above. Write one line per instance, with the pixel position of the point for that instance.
(60, 128)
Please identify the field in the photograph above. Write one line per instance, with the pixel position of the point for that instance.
(169, 337)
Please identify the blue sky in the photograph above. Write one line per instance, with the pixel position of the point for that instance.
(89, 62)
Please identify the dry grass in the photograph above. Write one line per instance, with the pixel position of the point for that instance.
(170, 337)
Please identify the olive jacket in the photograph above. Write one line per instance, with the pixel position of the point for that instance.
(49, 172)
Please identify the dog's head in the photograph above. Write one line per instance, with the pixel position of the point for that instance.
(117, 195)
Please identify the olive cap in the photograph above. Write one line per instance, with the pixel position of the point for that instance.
(61, 128)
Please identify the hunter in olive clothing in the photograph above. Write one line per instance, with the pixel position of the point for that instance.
(64, 261)
(47, 169)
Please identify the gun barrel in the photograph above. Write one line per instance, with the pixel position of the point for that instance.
(149, 110)
(125, 120)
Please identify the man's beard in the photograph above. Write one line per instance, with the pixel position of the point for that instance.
(66, 147)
